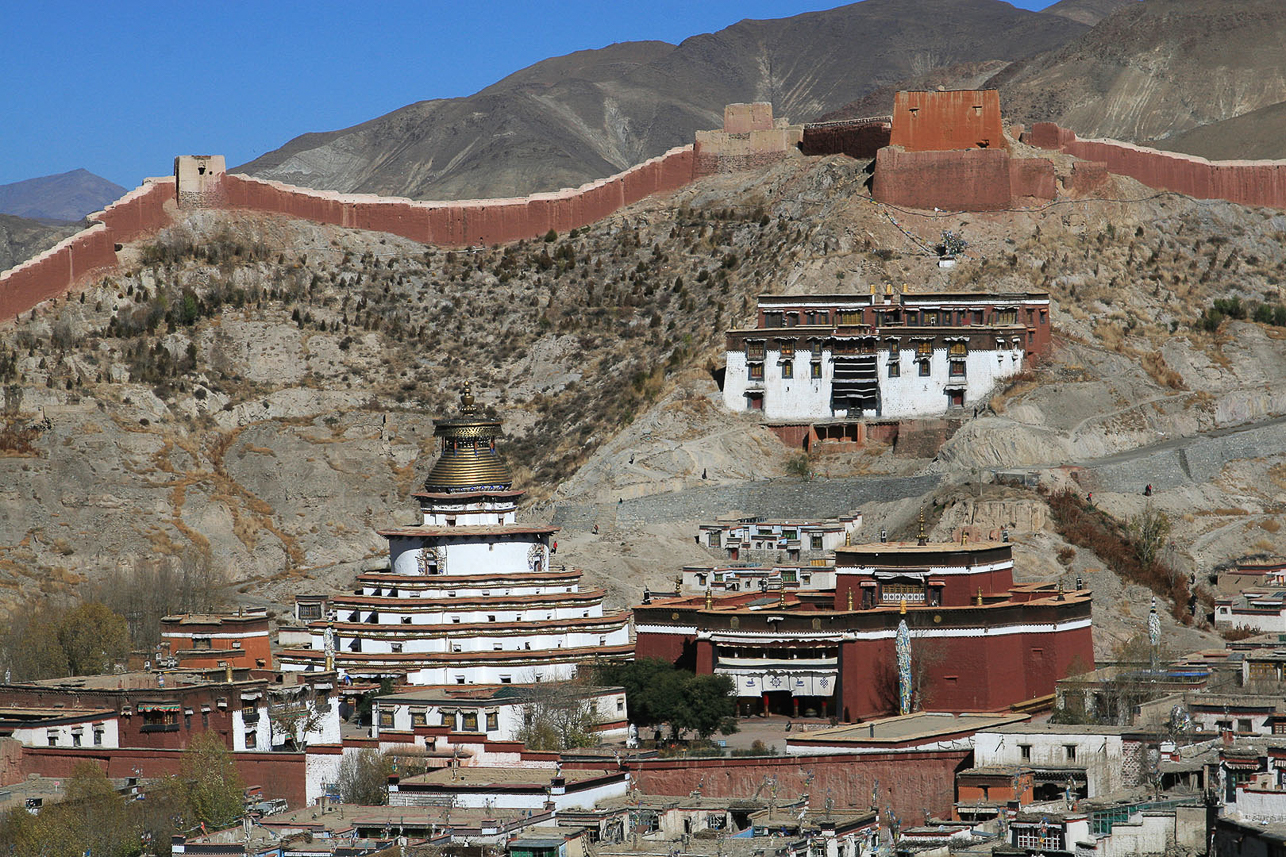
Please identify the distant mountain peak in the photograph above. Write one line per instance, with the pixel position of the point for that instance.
(65, 196)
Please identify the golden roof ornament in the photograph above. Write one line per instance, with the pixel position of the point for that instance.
(902, 607)
(964, 538)
(467, 406)
(979, 602)
(468, 460)
(709, 598)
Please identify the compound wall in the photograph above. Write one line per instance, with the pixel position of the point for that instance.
(910, 783)
(859, 140)
(977, 180)
(467, 222)
(1242, 182)
(54, 271)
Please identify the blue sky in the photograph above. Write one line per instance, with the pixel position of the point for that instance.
(120, 88)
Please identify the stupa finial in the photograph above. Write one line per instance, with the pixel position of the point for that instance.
(467, 406)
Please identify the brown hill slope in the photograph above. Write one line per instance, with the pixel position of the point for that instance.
(1088, 12)
(1156, 68)
(66, 196)
(1257, 135)
(570, 119)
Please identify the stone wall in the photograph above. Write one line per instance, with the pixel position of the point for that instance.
(859, 139)
(909, 783)
(92, 250)
(199, 181)
(1242, 182)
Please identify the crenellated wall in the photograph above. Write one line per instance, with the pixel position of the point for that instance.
(1242, 182)
(51, 273)
(467, 222)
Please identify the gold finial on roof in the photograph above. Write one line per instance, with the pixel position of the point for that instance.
(902, 607)
(964, 537)
(888, 288)
(905, 288)
(848, 538)
(467, 406)
(709, 598)
(923, 540)
(979, 596)
(872, 288)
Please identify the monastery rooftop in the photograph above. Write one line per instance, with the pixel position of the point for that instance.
(471, 778)
(912, 727)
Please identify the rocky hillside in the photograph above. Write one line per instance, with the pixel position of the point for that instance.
(1257, 135)
(260, 392)
(1155, 69)
(567, 120)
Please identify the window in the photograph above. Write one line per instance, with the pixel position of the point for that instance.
(459, 679)
(419, 718)
(620, 704)
(395, 648)
(815, 369)
(1024, 752)
(75, 739)
(895, 370)
(491, 617)
(786, 349)
(1006, 316)
(924, 348)
(249, 740)
(457, 647)
(406, 620)
(958, 349)
(1069, 752)
(930, 318)
(850, 317)
(493, 721)
(470, 723)
(815, 541)
(308, 612)
(924, 368)
(201, 642)
(788, 369)
(98, 736)
(772, 319)
(754, 351)
(715, 539)
(506, 679)
(755, 371)
(1243, 725)
(386, 719)
(956, 368)
(455, 620)
(892, 593)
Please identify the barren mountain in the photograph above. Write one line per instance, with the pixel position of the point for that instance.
(1259, 134)
(1155, 69)
(260, 391)
(1088, 12)
(67, 196)
(570, 119)
(21, 238)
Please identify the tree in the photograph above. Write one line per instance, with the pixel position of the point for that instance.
(363, 777)
(706, 706)
(652, 688)
(559, 716)
(215, 791)
(1149, 530)
(29, 647)
(93, 638)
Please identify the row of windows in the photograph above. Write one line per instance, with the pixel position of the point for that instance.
(908, 317)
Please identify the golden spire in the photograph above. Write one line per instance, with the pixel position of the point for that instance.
(709, 598)
(872, 288)
(467, 407)
(979, 596)
(468, 460)
(902, 607)
(848, 538)
(923, 540)
(964, 537)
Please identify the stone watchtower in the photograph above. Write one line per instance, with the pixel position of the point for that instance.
(198, 181)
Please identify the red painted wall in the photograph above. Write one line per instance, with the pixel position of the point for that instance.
(469, 222)
(1242, 182)
(91, 250)
(937, 121)
(959, 181)
(910, 783)
(282, 775)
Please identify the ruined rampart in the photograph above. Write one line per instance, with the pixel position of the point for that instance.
(1242, 182)
(857, 138)
(467, 222)
(960, 180)
(91, 250)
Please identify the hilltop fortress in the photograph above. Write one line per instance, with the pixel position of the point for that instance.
(946, 150)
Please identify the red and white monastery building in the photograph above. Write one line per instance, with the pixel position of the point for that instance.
(979, 642)
(469, 595)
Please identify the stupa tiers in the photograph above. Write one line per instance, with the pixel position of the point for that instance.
(469, 595)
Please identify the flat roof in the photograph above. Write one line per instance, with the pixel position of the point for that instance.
(1062, 729)
(472, 530)
(916, 547)
(466, 778)
(474, 694)
(921, 725)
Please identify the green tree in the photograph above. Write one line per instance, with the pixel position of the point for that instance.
(215, 791)
(93, 638)
(706, 706)
(1149, 530)
(652, 688)
(363, 777)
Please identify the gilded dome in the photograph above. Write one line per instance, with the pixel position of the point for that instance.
(468, 460)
